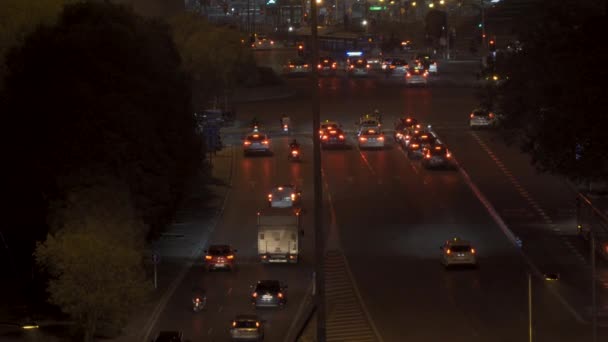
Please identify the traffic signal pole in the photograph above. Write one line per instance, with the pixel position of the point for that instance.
(318, 189)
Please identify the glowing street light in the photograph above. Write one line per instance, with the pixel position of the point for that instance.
(431, 5)
(441, 2)
(319, 1)
(414, 4)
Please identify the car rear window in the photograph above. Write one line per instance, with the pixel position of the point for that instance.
(219, 250)
(269, 287)
(256, 137)
(438, 152)
(460, 249)
(245, 324)
(481, 113)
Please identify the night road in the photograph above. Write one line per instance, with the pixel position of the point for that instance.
(391, 215)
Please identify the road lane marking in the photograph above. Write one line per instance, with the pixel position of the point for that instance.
(369, 166)
(220, 309)
(229, 292)
(513, 239)
(209, 331)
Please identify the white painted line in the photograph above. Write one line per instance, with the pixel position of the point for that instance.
(369, 166)
(220, 309)
(229, 292)
(209, 331)
(511, 237)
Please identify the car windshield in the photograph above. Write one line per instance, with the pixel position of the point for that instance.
(460, 248)
(219, 250)
(246, 324)
(438, 151)
(481, 112)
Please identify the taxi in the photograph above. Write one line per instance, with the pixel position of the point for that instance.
(284, 196)
(327, 124)
(403, 127)
(458, 252)
(256, 143)
(416, 75)
(437, 156)
(219, 257)
(418, 144)
(371, 138)
(327, 66)
(333, 137)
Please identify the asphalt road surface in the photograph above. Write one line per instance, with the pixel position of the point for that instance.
(392, 215)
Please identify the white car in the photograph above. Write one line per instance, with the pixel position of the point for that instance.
(481, 118)
(284, 196)
(371, 138)
(433, 68)
(458, 252)
(359, 67)
(256, 143)
(247, 328)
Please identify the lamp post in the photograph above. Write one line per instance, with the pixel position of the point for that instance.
(319, 298)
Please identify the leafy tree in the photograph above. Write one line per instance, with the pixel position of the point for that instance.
(20, 17)
(552, 104)
(100, 91)
(215, 57)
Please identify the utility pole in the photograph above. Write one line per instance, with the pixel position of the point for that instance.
(593, 289)
(483, 33)
(529, 307)
(319, 231)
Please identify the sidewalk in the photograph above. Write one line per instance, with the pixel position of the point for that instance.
(183, 241)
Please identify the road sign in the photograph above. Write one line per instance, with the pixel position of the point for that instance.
(212, 137)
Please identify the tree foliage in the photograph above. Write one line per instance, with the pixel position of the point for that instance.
(100, 92)
(95, 259)
(215, 57)
(552, 103)
(20, 17)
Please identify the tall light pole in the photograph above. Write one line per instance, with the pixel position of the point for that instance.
(483, 33)
(530, 307)
(318, 189)
(593, 289)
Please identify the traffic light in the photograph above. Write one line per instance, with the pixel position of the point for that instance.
(300, 50)
(492, 45)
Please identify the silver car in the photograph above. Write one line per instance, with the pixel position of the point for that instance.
(416, 75)
(256, 143)
(458, 252)
(371, 138)
(284, 196)
(247, 328)
(481, 118)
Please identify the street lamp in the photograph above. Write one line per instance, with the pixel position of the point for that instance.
(364, 22)
(414, 4)
(431, 5)
(441, 2)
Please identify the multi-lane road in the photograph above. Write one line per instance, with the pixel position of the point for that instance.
(391, 215)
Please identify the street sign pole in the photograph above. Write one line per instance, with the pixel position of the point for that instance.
(155, 261)
(593, 289)
(529, 307)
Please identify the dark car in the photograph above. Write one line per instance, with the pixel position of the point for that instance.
(327, 66)
(402, 127)
(333, 137)
(437, 156)
(268, 293)
(219, 257)
(169, 336)
(419, 143)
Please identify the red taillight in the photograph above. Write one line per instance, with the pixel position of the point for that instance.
(230, 257)
(428, 156)
(257, 324)
(408, 75)
(254, 295)
(472, 115)
(381, 138)
(293, 197)
(291, 66)
(415, 145)
(233, 323)
(368, 66)
(325, 137)
(448, 251)
(319, 66)
(425, 74)
(208, 257)
(197, 300)
(280, 295)
(294, 152)
(448, 155)
(362, 138)
(333, 66)
(247, 143)
(472, 250)
(491, 115)
(407, 137)
(269, 196)
(265, 142)
(341, 137)
(352, 66)
(285, 126)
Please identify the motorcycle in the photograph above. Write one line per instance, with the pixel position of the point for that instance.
(199, 303)
(286, 128)
(294, 154)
